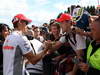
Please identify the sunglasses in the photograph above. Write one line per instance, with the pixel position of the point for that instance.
(25, 22)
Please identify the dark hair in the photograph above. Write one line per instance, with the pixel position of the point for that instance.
(2, 27)
(55, 24)
(15, 25)
(78, 6)
(45, 24)
(33, 25)
(52, 21)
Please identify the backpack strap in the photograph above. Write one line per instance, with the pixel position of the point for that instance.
(69, 38)
(33, 48)
(30, 38)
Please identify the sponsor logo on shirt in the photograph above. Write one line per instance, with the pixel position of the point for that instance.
(8, 47)
(27, 46)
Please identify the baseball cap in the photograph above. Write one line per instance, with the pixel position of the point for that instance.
(98, 6)
(20, 17)
(64, 17)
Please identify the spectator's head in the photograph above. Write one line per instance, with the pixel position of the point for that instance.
(52, 21)
(78, 6)
(65, 21)
(55, 28)
(36, 32)
(95, 28)
(45, 24)
(4, 30)
(20, 21)
(98, 10)
(33, 27)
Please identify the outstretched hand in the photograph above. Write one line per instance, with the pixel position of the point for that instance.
(84, 67)
(47, 45)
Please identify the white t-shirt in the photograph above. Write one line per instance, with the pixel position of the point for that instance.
(80, 42)
(38, 67)
(15, 46)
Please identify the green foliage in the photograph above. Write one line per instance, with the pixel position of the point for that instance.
(91, 10)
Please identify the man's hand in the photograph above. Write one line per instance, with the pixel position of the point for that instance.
(79, 31)
(83, 66)
(47, 45)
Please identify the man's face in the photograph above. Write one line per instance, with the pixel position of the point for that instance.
(65, 25)
(55, 30)
(5, 31)
(36, 32)
(23, 25)
(95, 28)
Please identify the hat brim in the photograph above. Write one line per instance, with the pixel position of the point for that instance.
(58, 20)
(28, 20)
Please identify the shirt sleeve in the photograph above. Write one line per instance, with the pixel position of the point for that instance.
(81, 42)
(25, 45)
(87, 13)
(62, 39)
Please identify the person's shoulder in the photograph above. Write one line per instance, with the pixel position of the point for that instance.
(78, 36)
(14, 36)
(14, 33)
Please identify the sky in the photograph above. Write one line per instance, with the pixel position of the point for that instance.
(40, 11)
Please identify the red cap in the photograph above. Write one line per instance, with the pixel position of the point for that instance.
(98, 6)
(64, 17)
(20, 17)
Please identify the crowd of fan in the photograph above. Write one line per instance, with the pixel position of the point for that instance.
(66, 44)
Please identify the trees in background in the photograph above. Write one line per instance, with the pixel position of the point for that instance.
(90, 9)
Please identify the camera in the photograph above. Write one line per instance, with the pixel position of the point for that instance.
(76, 60)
